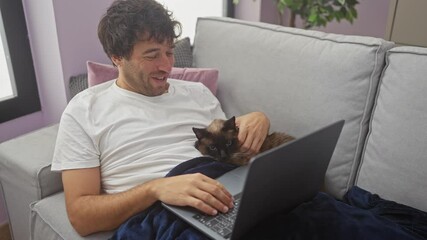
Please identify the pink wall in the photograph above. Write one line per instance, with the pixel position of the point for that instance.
(371, 21)
(248, 10)
(62, 38)
(77, 34)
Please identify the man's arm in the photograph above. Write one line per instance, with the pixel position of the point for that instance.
(91, 211)
(253, 129)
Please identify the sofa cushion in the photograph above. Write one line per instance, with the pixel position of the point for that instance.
(394, 163)
(49, 220)
(309, 79)
(99, 73)
(207, 76)
(183, 53)
(77, 84)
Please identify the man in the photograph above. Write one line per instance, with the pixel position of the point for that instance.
(117, 140)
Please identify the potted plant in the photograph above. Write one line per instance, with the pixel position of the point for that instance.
(315, 13)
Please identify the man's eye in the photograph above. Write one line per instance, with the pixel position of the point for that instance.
(212, 147)
(169, 54)
(150, 57)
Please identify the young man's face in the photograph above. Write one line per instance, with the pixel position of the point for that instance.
(147, 69)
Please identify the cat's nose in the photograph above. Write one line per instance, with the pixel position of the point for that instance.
(223, 154)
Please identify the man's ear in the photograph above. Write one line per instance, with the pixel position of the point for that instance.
(117, 61)
(230, 124)
(200, 132)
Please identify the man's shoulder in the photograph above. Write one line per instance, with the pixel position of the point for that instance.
(183, 83)
(89, 96)
(188, 86)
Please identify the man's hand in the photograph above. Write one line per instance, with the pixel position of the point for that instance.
(253, 129)
(195, 190)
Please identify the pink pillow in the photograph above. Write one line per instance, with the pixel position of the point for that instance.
(99, 73)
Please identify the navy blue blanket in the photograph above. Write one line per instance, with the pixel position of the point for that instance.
(361, 215)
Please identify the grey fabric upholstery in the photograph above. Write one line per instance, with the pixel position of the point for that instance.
(302, 79)
(394, 164)
(183, 53)
(47, 224)
(77, 84)
(25, 175)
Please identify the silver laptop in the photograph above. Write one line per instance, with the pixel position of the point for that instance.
(274, 181)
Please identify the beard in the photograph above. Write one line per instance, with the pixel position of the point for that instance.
(135, 80)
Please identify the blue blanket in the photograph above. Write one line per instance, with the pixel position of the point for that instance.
(361, 215)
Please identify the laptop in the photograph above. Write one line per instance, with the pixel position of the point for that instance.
(274, 181)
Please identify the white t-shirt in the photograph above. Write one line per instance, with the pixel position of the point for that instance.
(131, 137)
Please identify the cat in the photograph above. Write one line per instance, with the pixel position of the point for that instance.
(219, 140)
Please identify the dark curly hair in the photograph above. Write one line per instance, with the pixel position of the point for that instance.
(128, 21)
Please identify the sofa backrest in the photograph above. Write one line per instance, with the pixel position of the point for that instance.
(302, 80)
(394, 164)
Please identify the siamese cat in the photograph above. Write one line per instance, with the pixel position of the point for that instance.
(219, 140)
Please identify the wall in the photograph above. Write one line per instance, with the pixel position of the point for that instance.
(62, 38)
(371, 21)
(248, 10)
(76, 24)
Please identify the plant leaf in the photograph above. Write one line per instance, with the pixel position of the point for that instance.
(353, 12)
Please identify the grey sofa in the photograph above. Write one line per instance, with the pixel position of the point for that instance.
(302, 80)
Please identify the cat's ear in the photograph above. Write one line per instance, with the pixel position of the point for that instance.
(230, 124)
(200, 132)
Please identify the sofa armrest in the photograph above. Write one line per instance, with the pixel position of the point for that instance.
(25, 175)
(49, 220)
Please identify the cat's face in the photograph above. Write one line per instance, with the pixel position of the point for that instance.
(218, 140)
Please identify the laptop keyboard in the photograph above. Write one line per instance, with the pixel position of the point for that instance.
(222, 223)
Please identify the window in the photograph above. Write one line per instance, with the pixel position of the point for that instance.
(18, 86)
(7, 82)
(187, 12)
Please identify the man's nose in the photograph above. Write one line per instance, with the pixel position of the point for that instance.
(165, 63)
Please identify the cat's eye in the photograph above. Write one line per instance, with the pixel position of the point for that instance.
(229, 143)
(212, 147)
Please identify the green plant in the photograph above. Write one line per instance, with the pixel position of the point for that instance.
(315, 13)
